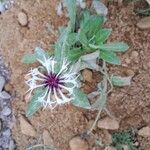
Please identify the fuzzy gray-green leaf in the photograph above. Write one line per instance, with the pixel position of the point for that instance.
(75, 53)
(71, 6)
(40, 53)
(29, 58)
(81, 99)
(102, 35)
(121, 81)
(110, 57)
(34, 105)
(114, 47)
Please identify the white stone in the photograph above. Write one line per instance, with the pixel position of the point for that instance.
(22, 19)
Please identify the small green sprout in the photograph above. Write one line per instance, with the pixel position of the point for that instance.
(124, 138)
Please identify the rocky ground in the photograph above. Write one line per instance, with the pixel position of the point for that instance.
(7, 118)
(25, 26)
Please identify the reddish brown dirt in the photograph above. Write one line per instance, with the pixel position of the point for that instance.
(130, 104)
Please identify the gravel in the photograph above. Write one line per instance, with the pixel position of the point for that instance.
(6, 116)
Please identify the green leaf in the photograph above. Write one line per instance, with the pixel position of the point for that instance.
(102, 35)
(93, 24)
(115, 47)
(62, 46)
(71, 6)
(83, 40)
(29, 58)
(110, 57)
(75, 54)
(40, 53)
(81, 99)
(90, 26)
(34, 105)
(84, 17)
(121, 81)
(72, 39)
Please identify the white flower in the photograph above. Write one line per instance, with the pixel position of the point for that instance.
(58, 86)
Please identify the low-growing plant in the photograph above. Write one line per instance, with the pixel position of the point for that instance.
(124, 138)
(81, 44)
(140, 11)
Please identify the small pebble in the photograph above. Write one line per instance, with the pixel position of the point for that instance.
(2, 82)
(134, 54)
(7, 133)
(8, 87)
(144, 23)
(22, 19)
(0, 124)
(6, 111)
(108, 124)
(127, 60)
(26, 127)
(77, 143)
(4, 95)
(145, 132)
(87, 75)
(130, 72)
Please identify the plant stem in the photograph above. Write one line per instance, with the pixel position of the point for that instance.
(39, 145)
(104, 95)
(95, 122)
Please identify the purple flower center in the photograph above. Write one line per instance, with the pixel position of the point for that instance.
(53, 81)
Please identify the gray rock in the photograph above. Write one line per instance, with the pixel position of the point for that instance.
(7, 133)
(6, 141)
(0, 125)
(2, 82)
(6, 111)
(11, 145)
(5, 95)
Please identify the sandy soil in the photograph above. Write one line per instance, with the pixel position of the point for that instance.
(130, 104)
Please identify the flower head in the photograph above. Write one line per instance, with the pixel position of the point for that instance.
(58, 86)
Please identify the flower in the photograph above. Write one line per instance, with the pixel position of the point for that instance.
(58, 86)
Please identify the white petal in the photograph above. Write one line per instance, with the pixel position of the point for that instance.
(59, 101)
(64, 98)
